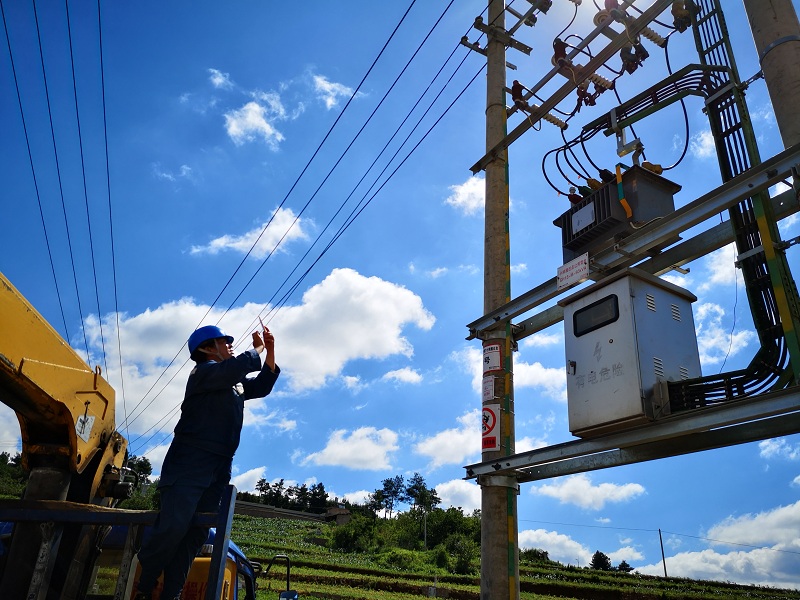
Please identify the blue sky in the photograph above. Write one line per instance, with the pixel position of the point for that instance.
(233, 162)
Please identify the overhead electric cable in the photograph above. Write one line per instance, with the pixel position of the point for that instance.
(285, 198)
(85, 192)
(58, 173)
(110, 219)
(33, 171)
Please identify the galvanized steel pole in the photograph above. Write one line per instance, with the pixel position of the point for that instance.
(499, 552)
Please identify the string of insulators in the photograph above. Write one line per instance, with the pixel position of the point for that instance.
(552, 119)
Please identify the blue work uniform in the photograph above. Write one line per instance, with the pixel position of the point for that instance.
(197, 467)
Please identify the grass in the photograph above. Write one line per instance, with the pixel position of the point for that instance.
(319, 572)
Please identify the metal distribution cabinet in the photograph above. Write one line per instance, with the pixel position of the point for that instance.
(623, 336)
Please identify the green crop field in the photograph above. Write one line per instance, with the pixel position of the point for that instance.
(391, 573)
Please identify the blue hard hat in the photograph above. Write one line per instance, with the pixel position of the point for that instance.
(209, 332)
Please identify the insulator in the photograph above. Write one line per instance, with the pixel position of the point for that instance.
(555, 121)
(653, 37)
(576, 2)
(600, 81)
(551, 119)
(601, 16)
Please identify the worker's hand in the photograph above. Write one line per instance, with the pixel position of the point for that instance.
(269, 344)
(258, 343)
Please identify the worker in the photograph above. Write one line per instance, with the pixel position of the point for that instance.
(197, 467)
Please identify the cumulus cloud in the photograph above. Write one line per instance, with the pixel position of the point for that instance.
(558, 546)
(701, 145)
(714, 341)
(271, 236)
(550, 381)
(721, 267)
(251, 122)
(468, 197)
(330, 92)
(346, 317)
(453, 446)
(580, 491)
(366, 448)
(343, 318)
(775, 563)
(542, 340)
(246, 482)
(460, 493)
(404, 375)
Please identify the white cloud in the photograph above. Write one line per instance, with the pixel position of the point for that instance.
(468, 197)
(346, 317)
(779, 448)
(579, 490)
(270, 236)
(541, 340)
(721, 267)
(715, 342)
(519, 268)
(453, 446)
(558, 546)
(220, 80)
(251, 122)
(436, 273)
(366, 448)
(626, 553)
(701, 145)
(183, 172)
(460, 493)
(404, 375)
(246, 482)
(330, 92)
(552, 382)
(796, 481)
(776, 563)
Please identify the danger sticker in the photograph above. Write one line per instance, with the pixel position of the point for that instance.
(490, 439)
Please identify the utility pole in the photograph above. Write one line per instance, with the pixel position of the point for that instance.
(776, 33)
(499, 531)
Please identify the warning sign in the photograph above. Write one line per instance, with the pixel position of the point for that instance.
(492, 360)
(573, 272)
(490, 428)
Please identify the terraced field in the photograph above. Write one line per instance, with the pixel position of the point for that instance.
(393, 574)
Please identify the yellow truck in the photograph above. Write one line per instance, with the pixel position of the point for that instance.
(74, 456)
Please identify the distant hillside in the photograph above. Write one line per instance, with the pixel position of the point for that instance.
(391, 573)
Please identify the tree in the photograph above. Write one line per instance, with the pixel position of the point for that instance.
(624, 567)
(318, 498)
(420, 495)
(141, 466)
(262, 487)
(394, 493)
(600, 562)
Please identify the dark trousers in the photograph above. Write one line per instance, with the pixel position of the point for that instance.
(192, 481)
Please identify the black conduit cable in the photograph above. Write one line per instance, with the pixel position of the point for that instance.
(33, 171)
(85, 192)
(58, 173)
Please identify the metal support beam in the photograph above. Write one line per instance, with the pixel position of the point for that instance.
(579, 77)
(639, 243)
(672, 431)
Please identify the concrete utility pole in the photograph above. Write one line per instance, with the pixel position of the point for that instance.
(776, 33)
(499, 550)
